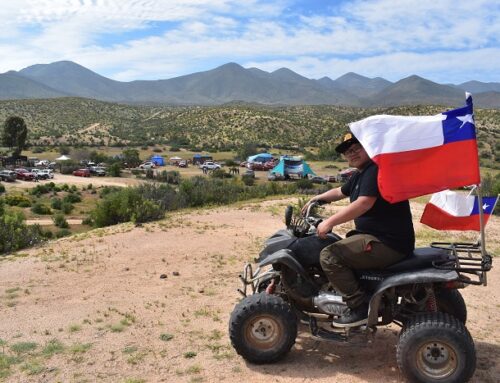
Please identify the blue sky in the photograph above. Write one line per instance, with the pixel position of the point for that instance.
(447, 41)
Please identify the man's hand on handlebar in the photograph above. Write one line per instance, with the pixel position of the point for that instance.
(309, 203)
(323, 229)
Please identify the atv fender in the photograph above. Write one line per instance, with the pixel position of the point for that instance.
(415, 277)
(286, 258)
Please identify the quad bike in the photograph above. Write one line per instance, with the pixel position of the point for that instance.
(420, 294)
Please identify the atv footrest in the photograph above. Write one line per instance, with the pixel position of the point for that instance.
(323, 334)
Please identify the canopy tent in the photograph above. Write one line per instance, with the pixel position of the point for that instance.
(63, 158)
(158, 160)
(201, 158)
(292, 166)
(261, 157)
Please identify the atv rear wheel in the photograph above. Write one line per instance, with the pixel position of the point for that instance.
(262, 328)
(436, 347)
(451, 302)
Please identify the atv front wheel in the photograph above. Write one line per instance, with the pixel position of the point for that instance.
(436, 347)
(262, 328)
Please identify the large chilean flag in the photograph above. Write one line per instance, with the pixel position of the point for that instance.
(449, 210)
(419, 155)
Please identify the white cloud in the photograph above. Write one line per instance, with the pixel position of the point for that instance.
(448, 41)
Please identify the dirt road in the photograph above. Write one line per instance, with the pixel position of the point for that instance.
(152, 303)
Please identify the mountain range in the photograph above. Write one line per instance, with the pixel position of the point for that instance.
(233, 83)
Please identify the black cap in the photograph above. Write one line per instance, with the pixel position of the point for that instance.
(347, 141)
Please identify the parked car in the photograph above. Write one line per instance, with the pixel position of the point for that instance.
(24, 174)
(147, 165)
(7, 175)
(98, 171)
(209, 165)
(48, 171)
(40, 175)
(42, 163)
(82, 173)
(182, 164)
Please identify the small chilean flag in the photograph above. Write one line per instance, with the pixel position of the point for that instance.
(419, 155)
(448, 210)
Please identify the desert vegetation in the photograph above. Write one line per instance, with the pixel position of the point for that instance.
(77, 122)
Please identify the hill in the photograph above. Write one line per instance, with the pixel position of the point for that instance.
(233, 83)
(78, 121)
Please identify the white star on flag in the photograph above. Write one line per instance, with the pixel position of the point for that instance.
(485, 206)
(465, 119)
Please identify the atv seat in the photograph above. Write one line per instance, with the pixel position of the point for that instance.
(421, 258)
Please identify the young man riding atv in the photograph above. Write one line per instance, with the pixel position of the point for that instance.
(384, 232)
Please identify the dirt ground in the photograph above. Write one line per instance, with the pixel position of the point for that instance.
(152, 303)
(73, 180)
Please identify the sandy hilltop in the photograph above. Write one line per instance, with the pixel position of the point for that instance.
(152, 303)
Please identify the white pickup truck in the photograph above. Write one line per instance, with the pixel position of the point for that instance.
(209, 165)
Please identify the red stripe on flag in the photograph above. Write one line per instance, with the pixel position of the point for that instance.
(438, 219)
(414, 173)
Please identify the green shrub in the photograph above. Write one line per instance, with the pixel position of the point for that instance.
(149, 201)
(41, 189)
(2, 188)
(72, 198)
(220, 173)
(115, 170)
(40, 208)
(67, 207)
(60, 221)
(248, 180)
(150, 174)
(17, 200)
(63, 233)
(115, 207)
(47, 234)
(173, 177)
(88, 221)
(38, 149)
(305, 183)
(146, 211)
(14, 234)
(56, 203)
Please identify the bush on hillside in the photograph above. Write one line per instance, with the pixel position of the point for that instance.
(40, 208)
(60, 221)
(14, 233)
(17, 200)
(115, 170)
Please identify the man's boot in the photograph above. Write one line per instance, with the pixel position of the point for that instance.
(353, 317)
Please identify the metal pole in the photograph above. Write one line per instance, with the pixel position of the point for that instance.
(481, 228)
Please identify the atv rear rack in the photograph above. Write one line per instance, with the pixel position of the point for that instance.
(466, 258)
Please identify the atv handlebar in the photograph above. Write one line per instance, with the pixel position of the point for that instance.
(314, 221)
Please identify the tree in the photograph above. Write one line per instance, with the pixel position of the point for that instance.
(247, 149)
(131, 157)
(14, 135)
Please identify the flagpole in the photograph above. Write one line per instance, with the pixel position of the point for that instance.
(481, 227)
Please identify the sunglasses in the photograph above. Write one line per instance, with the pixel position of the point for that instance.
(354, 149)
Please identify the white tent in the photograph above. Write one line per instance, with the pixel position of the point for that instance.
(63, 158)
(175, 159)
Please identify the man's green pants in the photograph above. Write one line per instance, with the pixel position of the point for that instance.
(357, 252)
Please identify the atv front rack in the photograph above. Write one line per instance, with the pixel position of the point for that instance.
(466, 259)
(252, 280)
